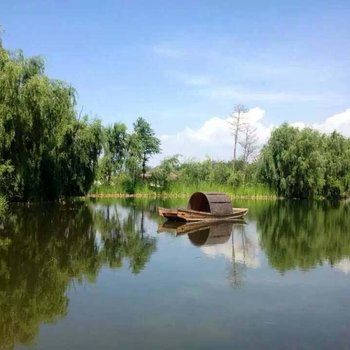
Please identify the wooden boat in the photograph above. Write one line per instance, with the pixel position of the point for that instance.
(205, 206)
(188, 215)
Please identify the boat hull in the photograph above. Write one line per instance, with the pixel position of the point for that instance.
(187, 215)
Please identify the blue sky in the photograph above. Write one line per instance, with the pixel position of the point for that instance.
(181, 63)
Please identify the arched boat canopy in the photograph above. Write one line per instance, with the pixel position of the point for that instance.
(217, 203)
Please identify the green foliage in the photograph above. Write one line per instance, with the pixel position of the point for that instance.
(78, 152)
(133, 162)
(126, 155)
(115, 148)
(147, 143)
(306, 164)
(45, 151)
(3, 207)
(172, 178)
(217, 175)
(6, 178)
(337, 169)
(162, 175)
(294, 164)
(220, 173)
(192, 172)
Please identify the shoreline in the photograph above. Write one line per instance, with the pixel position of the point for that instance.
(175, 195)
(184, 195)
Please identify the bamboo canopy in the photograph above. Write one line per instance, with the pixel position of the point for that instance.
(217, 203)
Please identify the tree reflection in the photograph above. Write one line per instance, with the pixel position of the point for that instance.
(304, 235)
(124, 238)
(46, 250)
(237, 268)
(50, 248)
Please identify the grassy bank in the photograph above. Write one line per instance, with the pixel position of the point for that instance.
(183, 190)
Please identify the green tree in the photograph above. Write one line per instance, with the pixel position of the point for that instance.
(165, 173)
(293, 162)
(337, 172)
(133, 161)
(115, 142)
(3, 208)
(46, 150)
(78, 152)
(306, 164)
(149, 144)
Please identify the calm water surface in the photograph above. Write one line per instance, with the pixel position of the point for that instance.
(100, 275)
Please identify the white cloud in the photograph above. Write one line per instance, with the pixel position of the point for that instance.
(339, 122)
(214, 138)
(247, 253)
(343, 265)
(299, 125)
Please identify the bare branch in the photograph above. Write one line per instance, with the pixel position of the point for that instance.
(238, 122)
(248, 142)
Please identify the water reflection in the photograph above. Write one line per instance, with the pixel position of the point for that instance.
(230, 241)
(304, 235)
(221, 239)
(212, 235)
(124, 238)
(51, 247)
(47, 248)
(44, 250)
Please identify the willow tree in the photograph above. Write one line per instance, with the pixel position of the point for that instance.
(47, 150)
(305, 163)
(294, 162)
(337, 172)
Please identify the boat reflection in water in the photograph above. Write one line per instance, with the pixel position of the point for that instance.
(212, 235)
(228, 239)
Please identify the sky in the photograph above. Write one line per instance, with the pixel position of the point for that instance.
(184, 65)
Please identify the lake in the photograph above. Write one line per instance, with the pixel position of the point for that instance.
(105, 274)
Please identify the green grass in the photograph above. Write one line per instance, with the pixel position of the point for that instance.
(256, 190)
(177, 188)
(118, 189)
